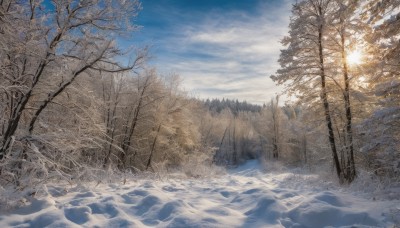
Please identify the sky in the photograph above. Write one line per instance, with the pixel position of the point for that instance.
(220, 48)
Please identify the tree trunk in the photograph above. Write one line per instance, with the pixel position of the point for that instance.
(220, 146)
(275, 119)
(62, 87)
(23, 100)
(304, 148)
(153, 147)
(349, 134)
(234, 160)
(324, 98)
(126, 143)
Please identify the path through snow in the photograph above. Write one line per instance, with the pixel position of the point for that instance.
(244, 198)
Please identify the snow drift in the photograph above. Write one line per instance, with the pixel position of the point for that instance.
(243, 198)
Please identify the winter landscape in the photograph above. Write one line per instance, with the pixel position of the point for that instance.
(212, 113)
(243, 197)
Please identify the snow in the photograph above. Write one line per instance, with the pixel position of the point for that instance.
(244, 197)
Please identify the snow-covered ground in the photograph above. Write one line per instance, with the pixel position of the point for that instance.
(245, 197)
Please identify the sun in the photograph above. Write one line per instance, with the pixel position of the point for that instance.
(354, 58)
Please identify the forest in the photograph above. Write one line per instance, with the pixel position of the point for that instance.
(71, 109)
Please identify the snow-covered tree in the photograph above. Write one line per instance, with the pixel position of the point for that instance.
(345, 38)
(303, 66)
(383, 138)
(46, 48)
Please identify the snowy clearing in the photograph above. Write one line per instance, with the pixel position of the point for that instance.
(245, 197)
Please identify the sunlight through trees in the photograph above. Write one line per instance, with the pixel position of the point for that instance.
(74, 102)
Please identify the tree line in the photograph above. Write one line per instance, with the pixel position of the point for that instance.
(358, 100)
(68, 108)
(217, 105)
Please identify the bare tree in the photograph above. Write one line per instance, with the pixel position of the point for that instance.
(75, 40)
(148, 93)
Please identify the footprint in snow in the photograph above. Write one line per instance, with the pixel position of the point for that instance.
(108, 210)
(171, 189)
(226, 194)
(251, 191)
(78, 215)
(169, 209)
(145, 205)
(138, 192)
(85, 195)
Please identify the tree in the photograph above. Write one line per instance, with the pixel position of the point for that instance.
(49, 120)
(148, 91)
(303, 62)
(384, 136)
(74, 40)
(344, 29)
(276, 139)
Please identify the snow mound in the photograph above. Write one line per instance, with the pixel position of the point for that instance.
(246, 197)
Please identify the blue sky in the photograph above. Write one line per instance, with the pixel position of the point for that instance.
(220, 48)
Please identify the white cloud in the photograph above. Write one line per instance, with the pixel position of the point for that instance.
(232, 54)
